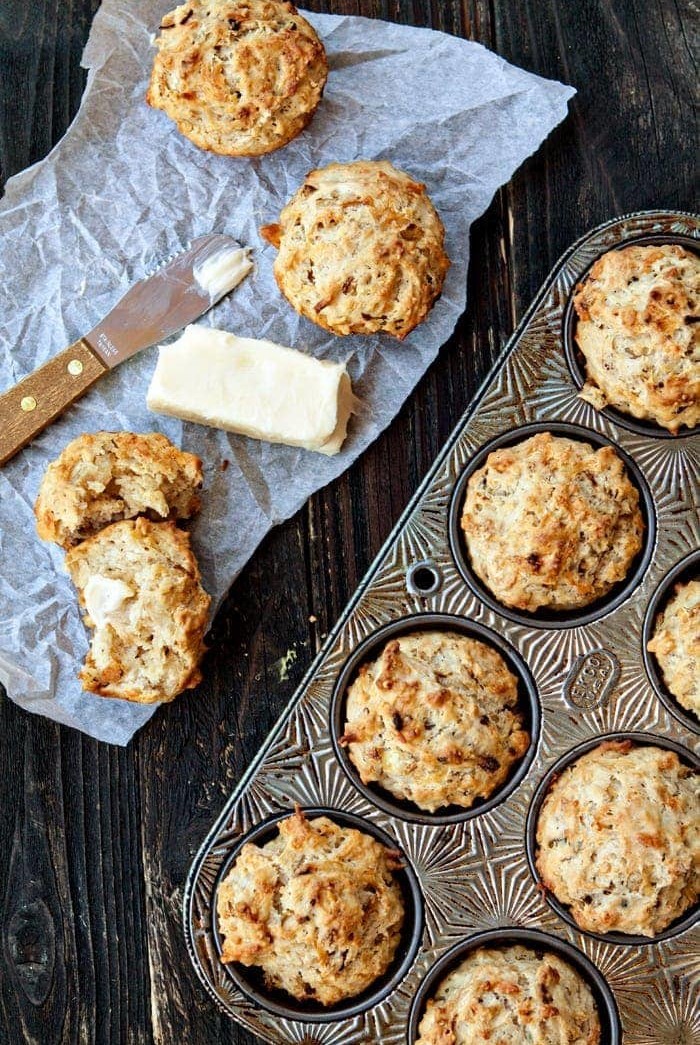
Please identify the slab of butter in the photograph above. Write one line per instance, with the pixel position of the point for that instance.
(254, 388)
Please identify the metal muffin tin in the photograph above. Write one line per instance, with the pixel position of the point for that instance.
(582, 677)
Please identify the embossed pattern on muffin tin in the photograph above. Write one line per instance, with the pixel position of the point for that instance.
(474, 875)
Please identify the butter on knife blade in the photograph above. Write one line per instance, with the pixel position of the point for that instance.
(254, 388)
(223, 270)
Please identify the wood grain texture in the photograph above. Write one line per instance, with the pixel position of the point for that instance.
(41, 397)
(96, 842)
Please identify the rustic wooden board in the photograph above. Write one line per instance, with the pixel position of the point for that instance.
(95, 842)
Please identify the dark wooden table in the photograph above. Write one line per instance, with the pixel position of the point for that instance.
(95, 841)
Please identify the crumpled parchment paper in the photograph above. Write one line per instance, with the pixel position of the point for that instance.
(123, 189)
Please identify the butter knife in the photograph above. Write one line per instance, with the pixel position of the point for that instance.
(151, 311)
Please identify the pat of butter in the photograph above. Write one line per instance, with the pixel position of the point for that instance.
(105, 598)
(222, 271)
(253, 388)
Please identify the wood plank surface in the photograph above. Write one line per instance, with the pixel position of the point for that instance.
(95, 842)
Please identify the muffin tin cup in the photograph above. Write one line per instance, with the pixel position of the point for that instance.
(581, 685)
(546, 618)
(685, 570)
(528, 703)
(680, 925)
(576, 359)
(508, 936)
(249, 979)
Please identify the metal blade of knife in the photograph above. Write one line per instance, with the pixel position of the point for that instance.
(162, 304)
(153, 310)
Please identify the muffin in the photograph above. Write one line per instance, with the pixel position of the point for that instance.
(511, 996)
(618, 839)
(638, 311)
(434, 720)
(103, 477)
(318, 909)
(676, 645)
(238, 77)
(139, 584)
(361, 249)
(551, 522)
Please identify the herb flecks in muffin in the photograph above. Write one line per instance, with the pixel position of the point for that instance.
(318, 909)
(638, 313)
(238, 77)
(619, 839)
(551, 523)
(434, 719)
(104, 477)
(511, 996)
(139, 584)
(361, 249)
(676, 645)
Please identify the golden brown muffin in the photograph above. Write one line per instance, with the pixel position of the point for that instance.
(238, 77)
(512, 996)
(140, 586)
(676, 645)
(619, 839)
(103, 477)
(318, 909)
(551, 522)
(434, 720)
(638, 312)
(361, 249)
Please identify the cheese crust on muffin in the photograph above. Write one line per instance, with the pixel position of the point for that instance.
(618, 839)
(509, 997)
(104, 477)
(638, 311)
(238, 77)
(139, 585)
(361, 249)
(318, 909)
(551, 522)
(434, 720)
(676, 645)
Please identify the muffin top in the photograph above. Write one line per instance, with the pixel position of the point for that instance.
(318, 909)
(511, 996)
(361, 249)
(638, 311)
(676, 645)
(551, 522)
(139, 584)
(434, 720)
(103, 477)
(238, 77)
(616, 871)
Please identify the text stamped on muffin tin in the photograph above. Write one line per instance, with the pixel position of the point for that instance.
(584, 675)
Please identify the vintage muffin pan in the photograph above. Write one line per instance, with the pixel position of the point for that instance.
(583, 676)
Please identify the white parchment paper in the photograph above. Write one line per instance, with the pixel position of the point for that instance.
(123, 189)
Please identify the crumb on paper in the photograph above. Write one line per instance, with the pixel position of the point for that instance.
(282, 666)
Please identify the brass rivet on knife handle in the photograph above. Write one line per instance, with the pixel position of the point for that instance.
(43, 396)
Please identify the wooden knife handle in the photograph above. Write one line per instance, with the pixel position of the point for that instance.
(43, 396)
